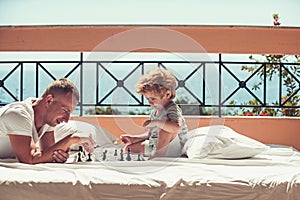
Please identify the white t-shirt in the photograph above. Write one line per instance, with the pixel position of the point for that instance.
(83, 129)
(18, 118)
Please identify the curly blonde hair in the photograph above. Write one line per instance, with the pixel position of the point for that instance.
(158, 81)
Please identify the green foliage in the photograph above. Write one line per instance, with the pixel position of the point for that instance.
(288, 75)
(193, 108)
(103, 111)
(113, 111)
(140, 112)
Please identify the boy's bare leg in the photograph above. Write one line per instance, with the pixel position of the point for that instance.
(164, 138)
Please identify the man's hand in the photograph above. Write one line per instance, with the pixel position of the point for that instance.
(88, 143)
(60, 156)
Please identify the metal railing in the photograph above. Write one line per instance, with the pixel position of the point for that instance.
(202, 84)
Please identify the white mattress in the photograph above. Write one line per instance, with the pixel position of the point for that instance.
(272, 175)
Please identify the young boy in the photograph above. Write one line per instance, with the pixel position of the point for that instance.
(166, 129)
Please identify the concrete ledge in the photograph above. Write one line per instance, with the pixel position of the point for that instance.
(213, 39)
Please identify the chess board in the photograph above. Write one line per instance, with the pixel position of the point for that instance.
(106, 154)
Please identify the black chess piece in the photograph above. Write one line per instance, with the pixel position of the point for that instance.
(81, 154)
(104, 155)
(116, 154)
(128, 158)
(79, 157)
(139, 157)
(80, 149)
(121, 155)
(89, 157)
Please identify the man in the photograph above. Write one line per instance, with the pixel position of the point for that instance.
(25, 124)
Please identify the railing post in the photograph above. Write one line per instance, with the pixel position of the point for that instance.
(81, 84)
(204, 85)
(37, 80)
(220, 86)
(280, 87)
(265, 85)
(21, 82)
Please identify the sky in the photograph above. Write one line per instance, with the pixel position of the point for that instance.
(142, 12)
(170, 12)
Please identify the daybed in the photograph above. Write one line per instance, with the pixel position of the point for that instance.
(243, 168)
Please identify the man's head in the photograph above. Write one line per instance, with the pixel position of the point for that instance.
(60, 97)
(61, 87)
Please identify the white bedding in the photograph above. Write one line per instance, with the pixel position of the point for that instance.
(273, 174)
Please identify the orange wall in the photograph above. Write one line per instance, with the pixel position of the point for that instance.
(214, 39)
(285, 131)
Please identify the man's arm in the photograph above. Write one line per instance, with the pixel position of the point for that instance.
(47, 141)
(25, 153)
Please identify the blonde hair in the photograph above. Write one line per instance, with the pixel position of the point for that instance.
(158, 81)
(61, 86)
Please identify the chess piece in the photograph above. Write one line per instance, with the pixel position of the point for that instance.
(89, 157)
(121, 155)
(139, 157)
(80, 154)
(104, 155)
(80, 149)
(79, 157)
(128, 158)
(116, 154)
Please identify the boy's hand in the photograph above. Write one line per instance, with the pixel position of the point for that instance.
(150, 123)
(126, 139)
(147, 124)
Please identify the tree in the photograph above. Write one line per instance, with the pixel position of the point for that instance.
(103, 111)
(289, 75)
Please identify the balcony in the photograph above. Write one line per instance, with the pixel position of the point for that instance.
(197, 40)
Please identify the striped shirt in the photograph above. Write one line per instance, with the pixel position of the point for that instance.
(173, 112)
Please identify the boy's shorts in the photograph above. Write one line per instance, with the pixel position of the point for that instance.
(174, 148)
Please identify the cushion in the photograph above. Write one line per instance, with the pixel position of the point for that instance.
(219, 141)
(102, 137)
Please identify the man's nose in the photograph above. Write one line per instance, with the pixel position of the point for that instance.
(66, 118)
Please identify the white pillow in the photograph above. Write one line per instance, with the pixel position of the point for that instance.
(219, 141)
(84, 129)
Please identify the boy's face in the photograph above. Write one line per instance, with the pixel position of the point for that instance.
(156, 101)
